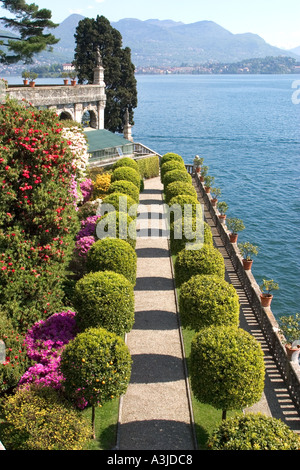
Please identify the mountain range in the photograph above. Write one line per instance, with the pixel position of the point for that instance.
(169, 43)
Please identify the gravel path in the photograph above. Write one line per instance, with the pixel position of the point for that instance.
(155, 411)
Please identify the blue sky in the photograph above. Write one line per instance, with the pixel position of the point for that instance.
(276, 21)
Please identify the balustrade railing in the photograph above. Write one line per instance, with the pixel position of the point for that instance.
(290, 371)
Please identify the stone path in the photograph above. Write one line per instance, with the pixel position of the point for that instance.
(155, 411)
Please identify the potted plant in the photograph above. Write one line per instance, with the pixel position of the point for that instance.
(73, 76)
(204, 171)
(247, 250)
(25, 76)
(65, 77)
(32, 77)
(222, 208)
(208, 181)
(290, 328)
(235, 225)
(198, 162)
(215, 193)
(266, 287)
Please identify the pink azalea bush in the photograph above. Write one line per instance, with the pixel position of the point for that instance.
(86, 187)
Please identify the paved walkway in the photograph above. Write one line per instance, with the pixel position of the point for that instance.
(155, 411)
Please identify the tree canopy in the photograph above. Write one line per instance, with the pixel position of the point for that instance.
(29, 29)
(121, 91)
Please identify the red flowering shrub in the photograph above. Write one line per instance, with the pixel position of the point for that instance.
(38, 219)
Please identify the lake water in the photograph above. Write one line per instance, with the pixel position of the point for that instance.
(247, 128)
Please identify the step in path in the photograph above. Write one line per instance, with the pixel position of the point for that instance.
(155, 412)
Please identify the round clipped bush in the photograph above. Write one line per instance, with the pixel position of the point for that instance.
(113, 254)
(171, 165)
(117, 225)
(177, 175)
(191, 231)
(184, 206)
(207, 260)
(227, 368)
(104, 299)
(207, 300)
(127, 162)
(178, 188)
(127, 174)
(170, 156)
(37, 418)
(253, 431)
(97, 368)
(125, 187)
(119, 202)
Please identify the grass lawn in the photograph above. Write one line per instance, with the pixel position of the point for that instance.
(106, 422)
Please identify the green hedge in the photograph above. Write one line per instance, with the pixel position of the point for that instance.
(207, 260)
(120, 202)
(117, 225)
(104, 299)
(148, 167)
(189, 234)
(184, 206)
(170, 156)
(253, 431)
(125, 162)
(178, 188)
(207, 300)
(113, 254)
(227, 368)
(127, 174)
(125, 187)
(170, 166)
(177, 175)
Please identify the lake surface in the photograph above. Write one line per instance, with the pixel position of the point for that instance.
(247, 128)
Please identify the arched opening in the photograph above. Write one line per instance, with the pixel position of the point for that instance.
(65, 116)
(89, 119)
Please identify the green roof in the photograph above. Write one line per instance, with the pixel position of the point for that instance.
(102, 139)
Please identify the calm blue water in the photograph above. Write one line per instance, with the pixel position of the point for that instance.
(248, 131)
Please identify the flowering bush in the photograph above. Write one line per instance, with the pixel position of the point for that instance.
(88, 227)
(83, 245)
(78, 145)
(86, 188)
(44, 343)
(38, 219)
(101, 185)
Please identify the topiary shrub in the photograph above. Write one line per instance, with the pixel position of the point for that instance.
(38, 418)
(170, 156)
(194, 231)
(16, 360)
(170, 166)
(119, 202)
(184, 206)
(101, 185)
(117, 225)
(207, 260)
(253, 431)
(207, 300)
(127, 174)
(178, 188)
(177, 175)
(226, 368)
(125, 187)
(113, 254)
(104, 299)
(97, 368)
(125, 162)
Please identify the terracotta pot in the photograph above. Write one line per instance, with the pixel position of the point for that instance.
(222, 218)
(198, 170)
(247, 263)
(266, 299)
(202, 178)
(207, 189)
(292, 352)
(73, 82)
(214, 202)
(25, 81)
(66, 81)
(32, 84)
(233, 237)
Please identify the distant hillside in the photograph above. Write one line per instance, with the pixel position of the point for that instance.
(296, 50)
(168, 43)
